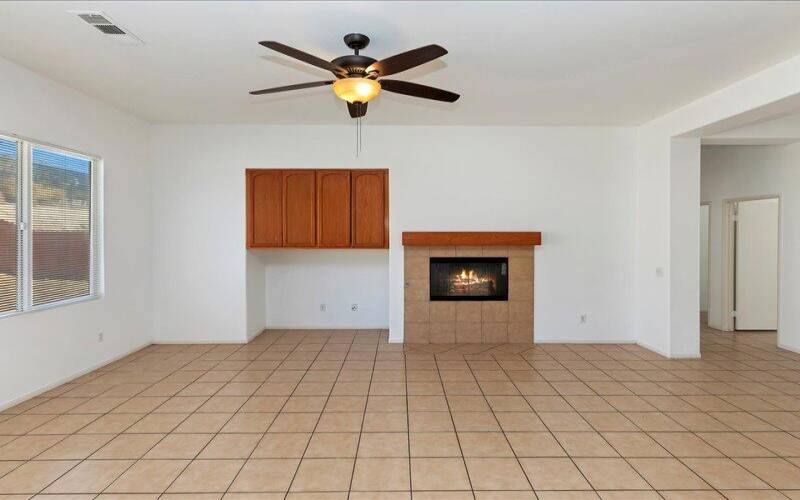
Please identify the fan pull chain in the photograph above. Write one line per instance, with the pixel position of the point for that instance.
(358, 136)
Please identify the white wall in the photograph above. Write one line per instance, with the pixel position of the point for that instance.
(298, 281)
(666, 306)
(704, 212)
(42, 348)
(730, 172)
(255, 291)
(576, 185)
(684, 247)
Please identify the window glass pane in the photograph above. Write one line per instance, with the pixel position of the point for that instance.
(9, 248)
(61, 226)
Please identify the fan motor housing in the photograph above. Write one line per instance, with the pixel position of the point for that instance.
(355, 65)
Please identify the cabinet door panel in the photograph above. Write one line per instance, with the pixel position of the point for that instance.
(265, 208)
(299, 208)
(369, 207)
(333, 208)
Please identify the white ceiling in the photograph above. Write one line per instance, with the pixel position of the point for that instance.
(515, 63)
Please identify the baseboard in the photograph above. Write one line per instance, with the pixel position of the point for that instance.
(668, 355)
(787, 348)
(32, 394)
(393, 340)
(686, 356)
(251, 336)
(194, 341)
(583, 341)
(325, 327)
(652, 348)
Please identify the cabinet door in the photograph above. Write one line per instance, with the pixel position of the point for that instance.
(333, 208)
(370, 209)
(299, 208)
(264, 208)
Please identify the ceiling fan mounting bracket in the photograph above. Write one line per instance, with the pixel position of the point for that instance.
(356, 41)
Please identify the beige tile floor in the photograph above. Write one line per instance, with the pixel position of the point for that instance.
(335, 415)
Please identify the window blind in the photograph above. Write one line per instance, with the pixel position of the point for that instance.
(10, 261)
(61, 226)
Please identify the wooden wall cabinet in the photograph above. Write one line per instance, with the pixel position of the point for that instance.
(370, 222)
(333, 208)
(307, 208)
(299, 208)
(264, 208)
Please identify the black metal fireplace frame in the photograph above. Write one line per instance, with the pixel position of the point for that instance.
(476, 260)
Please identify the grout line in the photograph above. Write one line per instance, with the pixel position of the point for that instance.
(725, 363)
(363, 416)
(408, 423)
(452, 421)
(214, 434)
(76, 432)
(322, 411)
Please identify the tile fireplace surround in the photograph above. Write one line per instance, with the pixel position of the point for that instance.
(468, 322)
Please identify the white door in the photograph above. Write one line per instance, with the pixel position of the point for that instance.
(757, 265)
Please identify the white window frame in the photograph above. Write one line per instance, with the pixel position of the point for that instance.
(25, 235)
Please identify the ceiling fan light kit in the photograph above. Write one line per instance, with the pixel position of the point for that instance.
(356, 89)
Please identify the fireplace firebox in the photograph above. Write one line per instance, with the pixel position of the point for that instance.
(469, 278)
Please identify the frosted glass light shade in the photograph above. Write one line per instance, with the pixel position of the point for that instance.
(356, 89)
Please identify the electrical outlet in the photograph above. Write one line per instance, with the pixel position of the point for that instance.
(100, 337)
(323, 307)
(584, 318)
(354, 307)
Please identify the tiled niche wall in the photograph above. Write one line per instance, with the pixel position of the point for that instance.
(468, 322)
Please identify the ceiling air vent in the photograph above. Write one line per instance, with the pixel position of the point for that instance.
(94, 18)
(105, 25)
(110, 29)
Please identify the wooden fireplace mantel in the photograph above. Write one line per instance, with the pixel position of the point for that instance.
(459, 238)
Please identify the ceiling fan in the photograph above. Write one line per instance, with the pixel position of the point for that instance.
(360, 78)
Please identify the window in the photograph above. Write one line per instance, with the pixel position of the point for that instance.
(49, 238)
(9, 234)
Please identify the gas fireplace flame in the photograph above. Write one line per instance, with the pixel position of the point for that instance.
(469, 278)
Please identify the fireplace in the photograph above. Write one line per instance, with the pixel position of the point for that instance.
(468, 278)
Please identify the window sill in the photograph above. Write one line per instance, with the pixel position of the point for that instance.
(52, 305)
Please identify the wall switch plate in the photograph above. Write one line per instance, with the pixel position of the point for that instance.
(354, 307)
(100, 337)
(323, 307)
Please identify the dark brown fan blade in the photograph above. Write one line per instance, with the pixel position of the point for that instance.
(291, 87)
(417, 90)
(304, 56)
(357, 109)
(406, 60)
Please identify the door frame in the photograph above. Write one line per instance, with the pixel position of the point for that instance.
(708, 256)
(729, 258)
